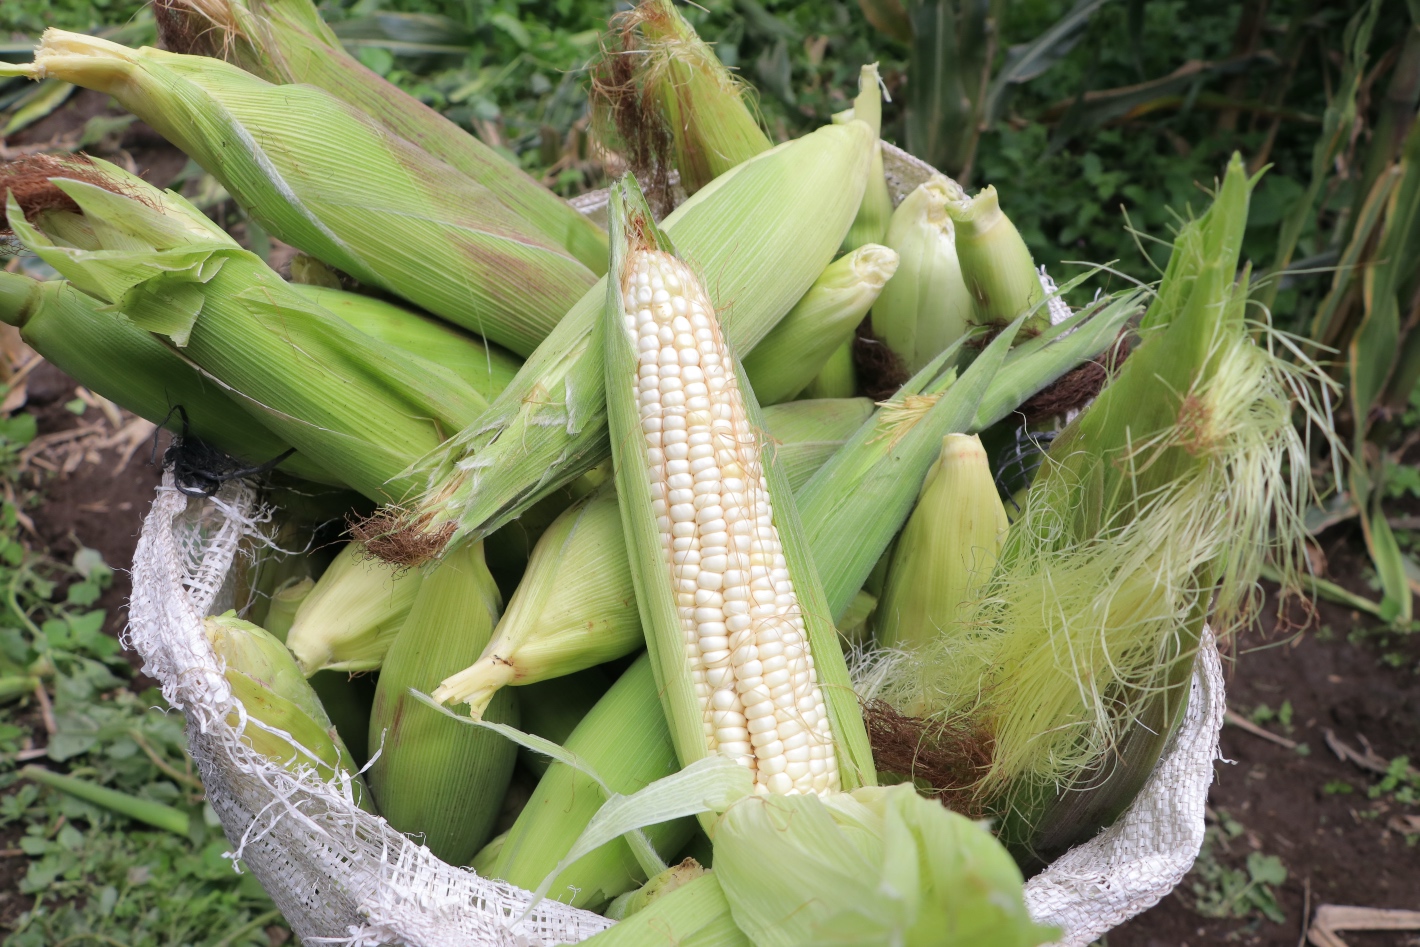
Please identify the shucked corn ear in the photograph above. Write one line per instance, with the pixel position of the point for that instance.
(286, 42)
(626, 741)
(434, 776)
(996, 264)
(347, 402)
(762, 232)
(285, 719)
(346, 623)
(575, 606)
(948, 548)
(485, 367)
(874, 214)
(114, 358)
(375, 206)
(657, 80)
(925, 307)
(796, 349)
(748, 664)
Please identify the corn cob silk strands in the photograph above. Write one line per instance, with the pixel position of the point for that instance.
(745, 641)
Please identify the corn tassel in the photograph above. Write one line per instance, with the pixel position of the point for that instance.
(796, 350)
(285, 42)
(763, 231)
(348, 620)
(485, 367)
(437, 777)
(744, 670)
(284, 720)
(925, 307)
(996, 264)
(376, 207)
(947, 550)
(576, 607)
(345, 401)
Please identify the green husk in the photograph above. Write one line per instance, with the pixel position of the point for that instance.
(925, 307)
(796, 350)
(948, 549)
(659, 87)
(761, 233)
(344, 400)
(435, 777)
(632, 230)
(552, 709)
(486, 367)
(285, 602)
(694, 915)
(576, 607)
(375, 205)
(286, 42)
(348, 620)
(1151, 516)
(996, 264)
(625, 739)
(282, 717)
(673, 878)
(874, 214)
(838, 378)
(880, 865)
(112, 357)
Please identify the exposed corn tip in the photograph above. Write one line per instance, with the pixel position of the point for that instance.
(796, 350)
(744, 637)
(948, 548)
(351, 616)
(925, 307)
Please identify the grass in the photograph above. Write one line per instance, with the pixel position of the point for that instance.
(92, 876)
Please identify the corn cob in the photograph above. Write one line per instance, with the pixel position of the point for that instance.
(437, 777)
(376, 207)
(348, 620)
(948, 548)
(996, 264)
(925, 306)
(283, 719)
(484, 366)
(796, 349)
(347, 402)
(114, 358)
(874, 214)
(838, 378)
(744, 670)
(765, 231)
(286, 42)
(624, 738)
(576, 607)
(658, 84)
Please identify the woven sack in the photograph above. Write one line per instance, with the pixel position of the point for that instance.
(342, 876)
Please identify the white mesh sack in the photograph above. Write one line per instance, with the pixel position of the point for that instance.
(344, 877)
